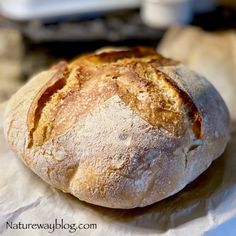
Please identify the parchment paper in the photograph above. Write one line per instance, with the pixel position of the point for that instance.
(205, 207)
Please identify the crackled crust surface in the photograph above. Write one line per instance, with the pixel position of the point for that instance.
(92, 79)
(120, 128)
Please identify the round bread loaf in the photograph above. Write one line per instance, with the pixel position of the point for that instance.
(120, 128)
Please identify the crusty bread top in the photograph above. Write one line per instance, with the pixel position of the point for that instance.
(93, 78)
(122, 128)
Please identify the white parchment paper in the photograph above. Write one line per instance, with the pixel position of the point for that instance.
(205, 207)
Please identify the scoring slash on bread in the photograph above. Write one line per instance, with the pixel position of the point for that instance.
(120, 128)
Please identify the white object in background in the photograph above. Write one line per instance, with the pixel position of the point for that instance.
(163, 13)
(203, 6)
(39, 9)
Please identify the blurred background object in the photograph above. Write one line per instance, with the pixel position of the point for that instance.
(231, 3)
(40, 9)
(203, 6)
(161, 14)
(34, 34)
(11, 54)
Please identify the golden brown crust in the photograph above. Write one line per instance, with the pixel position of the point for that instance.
(43, 96)
(92, 79)
(121, 129)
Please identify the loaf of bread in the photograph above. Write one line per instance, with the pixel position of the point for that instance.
(120, 128)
